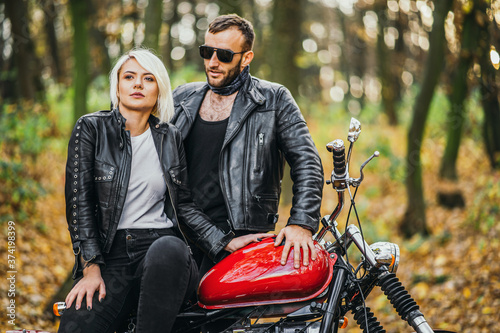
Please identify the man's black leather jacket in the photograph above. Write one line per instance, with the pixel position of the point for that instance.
(265, 128)
(97, 176)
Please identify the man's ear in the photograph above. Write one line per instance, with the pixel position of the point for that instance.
(247, 59)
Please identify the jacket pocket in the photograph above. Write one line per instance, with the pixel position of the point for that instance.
(266, 197)
(264, 210)
(104, 174)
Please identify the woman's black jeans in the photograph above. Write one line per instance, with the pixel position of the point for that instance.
(150, 270)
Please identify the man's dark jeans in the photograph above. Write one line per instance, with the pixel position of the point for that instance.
(150, 270)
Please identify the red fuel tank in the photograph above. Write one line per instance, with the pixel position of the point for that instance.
(253, 275)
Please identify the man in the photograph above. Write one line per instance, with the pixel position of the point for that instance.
(238, 131)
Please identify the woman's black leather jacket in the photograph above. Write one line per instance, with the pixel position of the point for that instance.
(97, 176)
(265, 128)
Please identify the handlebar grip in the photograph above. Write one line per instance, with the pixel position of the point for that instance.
(337, 147)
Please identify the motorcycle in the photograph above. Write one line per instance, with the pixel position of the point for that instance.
(244, 290)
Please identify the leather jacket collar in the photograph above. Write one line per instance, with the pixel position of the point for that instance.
(154, 122)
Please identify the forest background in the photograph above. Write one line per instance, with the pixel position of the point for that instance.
(422, 77)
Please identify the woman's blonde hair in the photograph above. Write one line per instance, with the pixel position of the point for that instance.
(164, 108)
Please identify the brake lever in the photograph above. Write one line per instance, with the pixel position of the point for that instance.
(355, 182)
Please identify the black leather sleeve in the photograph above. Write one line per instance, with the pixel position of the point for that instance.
(301, 154)
(196, 225)
(80, 195)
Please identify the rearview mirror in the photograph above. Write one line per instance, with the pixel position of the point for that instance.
(354, 130)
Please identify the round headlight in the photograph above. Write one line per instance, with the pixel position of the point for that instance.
(387, 254)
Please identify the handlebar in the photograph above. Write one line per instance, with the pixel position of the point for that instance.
(340, 175)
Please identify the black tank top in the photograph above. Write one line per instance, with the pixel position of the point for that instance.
(203, 146)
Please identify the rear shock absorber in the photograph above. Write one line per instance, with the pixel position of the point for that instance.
(404, 304)
(364, 316)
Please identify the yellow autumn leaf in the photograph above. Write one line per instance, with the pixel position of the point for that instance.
(466, 292)
(441, 260)
(420, 290)
(487, 310)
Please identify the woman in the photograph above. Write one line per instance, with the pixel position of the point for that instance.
(125, 192)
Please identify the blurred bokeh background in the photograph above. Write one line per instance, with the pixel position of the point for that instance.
(422, 77)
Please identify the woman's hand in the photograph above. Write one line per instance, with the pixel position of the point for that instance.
(86, 287)
(242, 241)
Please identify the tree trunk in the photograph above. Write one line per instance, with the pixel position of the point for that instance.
(27, 83)
(192, 55)
(390, 86)
(260, 42)
(489, 87)
(456, 115)
(414, 220)
(344, 62)
(167, 49)
(287, 19)
(4, 64)
(79, 15)
(53, 50)
(99, 54)
(286, 45)
(153, 21)
(358, 57)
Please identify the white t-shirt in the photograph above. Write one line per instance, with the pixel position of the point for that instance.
(145, 201)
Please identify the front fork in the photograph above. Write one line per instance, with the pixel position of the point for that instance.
(402, 302)
(329, 321)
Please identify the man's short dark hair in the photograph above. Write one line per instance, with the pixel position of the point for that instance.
(225, 22)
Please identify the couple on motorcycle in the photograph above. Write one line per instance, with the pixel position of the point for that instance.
(132, 214)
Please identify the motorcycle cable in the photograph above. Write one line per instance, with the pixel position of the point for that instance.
(244, 319)
(261, 314)
(364, 307)
(359, 224)
(344, 244)
(361, 264)
(279, 322)
(347, 223)
(355, 279)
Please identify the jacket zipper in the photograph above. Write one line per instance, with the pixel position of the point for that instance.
(260, 150)
(120, 182)
(221, 178)
(170, 197)
(224, 194)
(262, 197)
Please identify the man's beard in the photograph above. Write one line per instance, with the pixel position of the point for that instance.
(231, 75)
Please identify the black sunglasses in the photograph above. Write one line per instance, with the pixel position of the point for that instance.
(223, 55)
